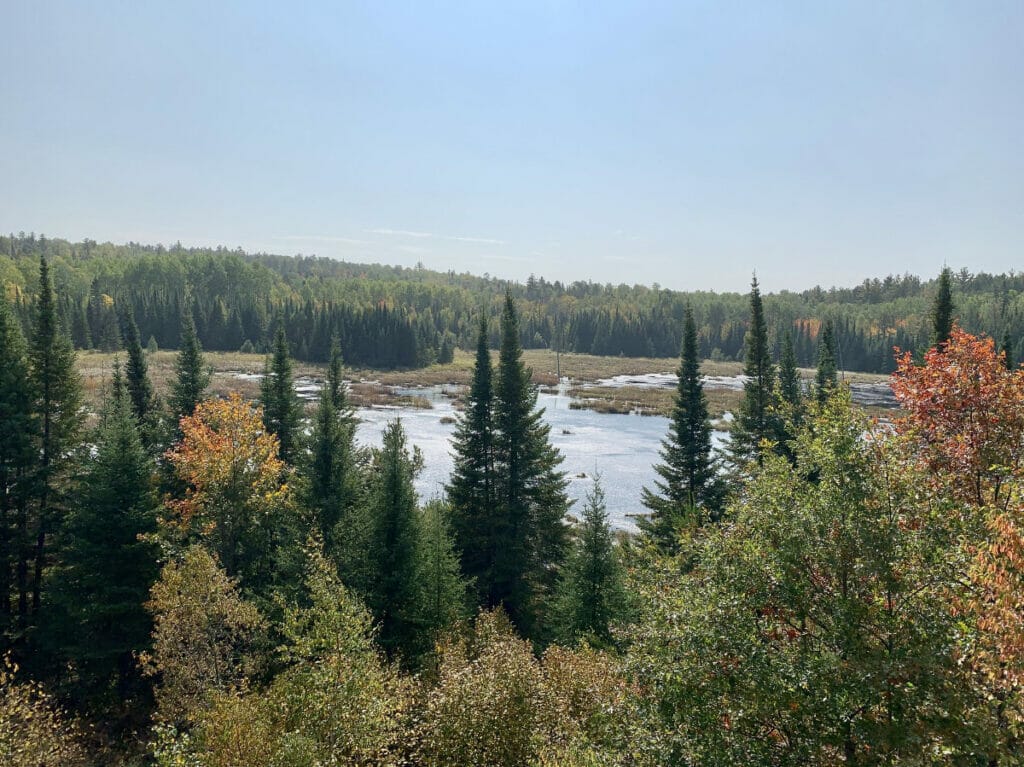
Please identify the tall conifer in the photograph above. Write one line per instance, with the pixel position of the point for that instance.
(191, 373)
(790, 387)
(471, 491)
(755, 421)
(140, 390)
(827, 377)
(58, 394)
(689, 488)
(281, 407)
(943, 309)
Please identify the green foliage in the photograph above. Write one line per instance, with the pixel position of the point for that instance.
(107, 562)
(473, 484)
(191, 374)
(943, 309)
(591, 595)
(815, 629)
(757, 420)
(139, 387)
(34, 732)
(530, 499)
(827, 377)
(442, 599)
(689, 489)
(204, 636)
(281, 408)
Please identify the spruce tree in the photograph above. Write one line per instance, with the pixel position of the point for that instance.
(943, 309)
(58, 400)
(140, 390)
(281, 407)
(790, 387)
(689, 488)
(107, 562)
(1007, 349)
(530, 532)
(18, 441)
(393, 589)
(756, 420)
(827, 377)
(472, 488)
(333, 477)
(442, 597)
(591, 594)
(191, 374)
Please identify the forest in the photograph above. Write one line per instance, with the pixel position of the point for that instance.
(393, 317)
(209, 582)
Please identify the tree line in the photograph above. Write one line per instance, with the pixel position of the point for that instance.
(223, 582)
(389, 317)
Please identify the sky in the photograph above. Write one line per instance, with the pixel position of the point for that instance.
(686, 144)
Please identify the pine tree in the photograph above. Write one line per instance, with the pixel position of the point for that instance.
(471, 491)
(191, 374)
(827, 377)
(530, 532)
(106, 564)
(943, 309)
(756, 420)
(790, 387)
(591, 595)
(333, 478)
(1007, 349)
(689, 488)
(58, 394)
(393, 546)
(18, 440)
(281, 407)
(140, 390)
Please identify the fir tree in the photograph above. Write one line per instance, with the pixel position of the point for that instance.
(191, 374)
(442, 597)
(140, 390)
(393, 546)
(943, 309)
(472, 487)
(591, 595)
(58, 394)
(827, 377)
(18, 440)
(689, 488)
(756, 420)
(333, 478)
(530, 533)
(790, 387)
(281, 408)
(107, 565)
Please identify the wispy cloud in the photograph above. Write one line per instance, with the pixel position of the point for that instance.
(322, 238)
(433, 236)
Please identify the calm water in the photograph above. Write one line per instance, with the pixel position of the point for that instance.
(623, 448)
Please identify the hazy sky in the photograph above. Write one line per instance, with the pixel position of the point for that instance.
(684, 143)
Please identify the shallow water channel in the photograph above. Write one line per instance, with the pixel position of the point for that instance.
(622, 448)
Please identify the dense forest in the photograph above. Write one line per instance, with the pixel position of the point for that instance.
(394, 317)
(214, 582)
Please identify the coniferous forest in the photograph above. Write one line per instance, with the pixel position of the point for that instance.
(393, 317)
(200, 581)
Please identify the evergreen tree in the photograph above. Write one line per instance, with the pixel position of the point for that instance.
(442, 597)
(58, 394)
(393, 546)
(756, 420)
(140, 390)
(1007, 349)
(943, 309)
(191, 374)
(281, 407)
(827, 377)
(472, 488)
(107, 565)
(530, 532)
(333, 478)
(18, 440)
(790, 387)
(591, 594)
(689, 488)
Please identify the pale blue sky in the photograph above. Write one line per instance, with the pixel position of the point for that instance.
(683, 143)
